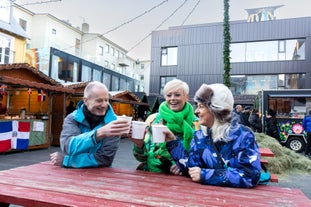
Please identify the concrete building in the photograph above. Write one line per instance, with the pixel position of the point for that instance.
(71, 54)
(266, 53)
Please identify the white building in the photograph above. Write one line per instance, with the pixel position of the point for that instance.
(60, 50)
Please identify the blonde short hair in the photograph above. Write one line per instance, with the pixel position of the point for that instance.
(176, 84)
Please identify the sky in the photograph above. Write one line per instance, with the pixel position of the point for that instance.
(129, 23)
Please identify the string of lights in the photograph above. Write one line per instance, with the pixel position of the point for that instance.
(195, 6)
(166, 19)
(121, 25)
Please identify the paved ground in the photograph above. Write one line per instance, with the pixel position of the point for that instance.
(125, 159)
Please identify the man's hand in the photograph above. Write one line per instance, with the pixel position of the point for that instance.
(114, 128)
(57, 158)
(195, 174)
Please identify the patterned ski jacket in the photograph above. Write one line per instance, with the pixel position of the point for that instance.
(239, 165)
(78, 141)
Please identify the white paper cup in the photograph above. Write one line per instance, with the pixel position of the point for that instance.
(157, 133)
(128, 119)
(138, 129)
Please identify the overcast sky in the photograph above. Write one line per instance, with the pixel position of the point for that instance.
(106, 15)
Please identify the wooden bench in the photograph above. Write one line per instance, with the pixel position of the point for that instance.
(266, 152)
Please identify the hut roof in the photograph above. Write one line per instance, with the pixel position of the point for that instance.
(22, 74)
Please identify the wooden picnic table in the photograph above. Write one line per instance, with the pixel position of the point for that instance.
(45, 185)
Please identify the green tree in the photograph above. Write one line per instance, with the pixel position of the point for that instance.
(227, 41)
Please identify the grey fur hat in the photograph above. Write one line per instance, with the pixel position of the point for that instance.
(218, 98)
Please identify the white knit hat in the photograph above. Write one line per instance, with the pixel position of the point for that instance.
(218, 98)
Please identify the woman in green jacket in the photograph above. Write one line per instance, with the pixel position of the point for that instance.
(178, 115)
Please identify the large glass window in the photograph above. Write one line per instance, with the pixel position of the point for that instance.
(107, 79)
(123, 85)
(268, 50)
(86, 74)
(164, 80)
(115, 83)
(97, 75)
(169, 56)
(294, 107)
(251, 84)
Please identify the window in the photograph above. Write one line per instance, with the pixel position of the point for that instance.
(268, 51)
(107, 80)
(77, 46)
(112, 51)
(97, 75)
(106, 64)
(107, 48)
(6, 53)
(123, 85)
(252, 84)
(54, 31)
(142, 66)
(23, 24)
(115, 83)
(112, 66)
(100, 50)
(164, 80)
(86, 73)
(169, 56)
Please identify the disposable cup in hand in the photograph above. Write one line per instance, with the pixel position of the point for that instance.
(157, 133)
(138, 129)
(128, 119)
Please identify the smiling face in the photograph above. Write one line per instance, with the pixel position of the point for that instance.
(176, 99)
(206, 117)
(97, 101)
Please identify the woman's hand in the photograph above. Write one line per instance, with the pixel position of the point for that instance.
(138, 142)
(169, 136)
(195, 173)
(175, 170)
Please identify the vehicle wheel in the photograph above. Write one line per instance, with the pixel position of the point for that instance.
(296, 144)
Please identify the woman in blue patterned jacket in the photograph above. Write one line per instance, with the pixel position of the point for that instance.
(223, 152)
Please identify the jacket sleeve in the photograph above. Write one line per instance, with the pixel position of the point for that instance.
(179, 155)
(242, 169)
(82, 150)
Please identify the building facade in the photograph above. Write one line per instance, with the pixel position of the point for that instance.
(71, 54)
(272, 54)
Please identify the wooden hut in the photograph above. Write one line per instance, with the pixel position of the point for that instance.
(29, 90)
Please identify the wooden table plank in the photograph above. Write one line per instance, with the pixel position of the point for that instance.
(266, 152)
(46, 185)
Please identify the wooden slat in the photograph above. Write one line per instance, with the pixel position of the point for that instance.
(266, 152)
(274, 178)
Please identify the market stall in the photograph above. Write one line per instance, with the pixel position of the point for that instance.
(27, 94)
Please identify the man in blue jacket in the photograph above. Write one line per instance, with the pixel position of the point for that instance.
(91, 134)
(306, 123)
